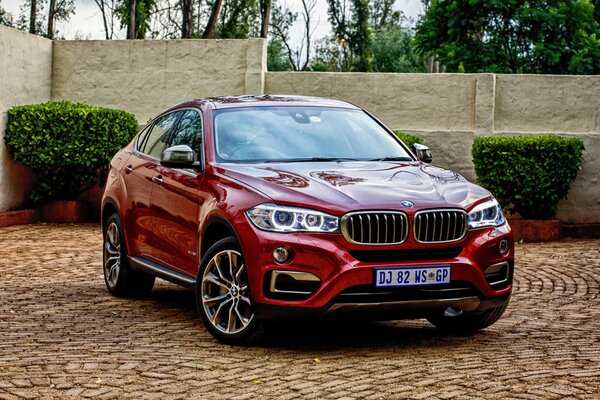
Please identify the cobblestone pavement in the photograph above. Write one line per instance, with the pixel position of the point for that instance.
(62, 335)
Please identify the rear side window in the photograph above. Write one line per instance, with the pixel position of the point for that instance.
(189, 131)
(154, 142)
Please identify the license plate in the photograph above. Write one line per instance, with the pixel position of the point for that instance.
(412, 276)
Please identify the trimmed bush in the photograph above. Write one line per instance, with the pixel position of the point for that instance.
(528, 174)
(67, 145)
(408, 139)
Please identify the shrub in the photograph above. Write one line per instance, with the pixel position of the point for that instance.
(67, 145)
(408, 139)
(528, 174)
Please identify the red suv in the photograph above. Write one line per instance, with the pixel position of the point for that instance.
(272, 207)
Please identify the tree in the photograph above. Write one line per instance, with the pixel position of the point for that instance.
(516, 36)
(237, 19)
(167, 20)
(136, 15)
(5, 18)
(394, 51)
(281, 21)
(34, 19)
(277, 59)
(58, 10)
(187, 23)
(265, 12)
(351, 29)
(108, 12)
(384, 15)
(209, 31)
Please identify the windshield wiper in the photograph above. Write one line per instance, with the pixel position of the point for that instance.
(317, 159)
(392, 159)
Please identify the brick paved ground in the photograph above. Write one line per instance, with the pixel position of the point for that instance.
(62, 335)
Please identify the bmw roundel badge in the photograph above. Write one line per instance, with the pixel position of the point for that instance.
(407, 203)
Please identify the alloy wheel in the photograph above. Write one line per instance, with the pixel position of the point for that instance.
(112, 254)
(225, 295)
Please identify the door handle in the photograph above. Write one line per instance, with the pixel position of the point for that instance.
(128, 169)
(158, 179)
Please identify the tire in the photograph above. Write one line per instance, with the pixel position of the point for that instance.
(120, 279)
(223, 295)
(467, 322)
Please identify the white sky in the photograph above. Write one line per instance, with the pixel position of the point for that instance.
(88, 22)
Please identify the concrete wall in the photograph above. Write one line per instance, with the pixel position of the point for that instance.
(145, 77)
(449, 110)
(25, 73)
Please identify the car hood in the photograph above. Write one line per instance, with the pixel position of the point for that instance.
(339, 187)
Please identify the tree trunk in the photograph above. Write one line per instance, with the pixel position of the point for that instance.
(131, 27)
(187, 25)
(32, 16)
(102, 6)
(51, 12)
(212, 21)
(265, 8)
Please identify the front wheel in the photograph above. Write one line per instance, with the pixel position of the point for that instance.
(467, 322)
(223, 295)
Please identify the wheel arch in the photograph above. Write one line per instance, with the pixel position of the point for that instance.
(215, 229)
(109, 207)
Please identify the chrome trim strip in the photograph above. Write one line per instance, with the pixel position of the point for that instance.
(295, 275)
(500, 265)
(464, 303)
(344, 226)
(434, 210)
(161, 272)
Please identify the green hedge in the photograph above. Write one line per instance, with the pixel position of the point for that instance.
(408, 139)
(67, 145)
(528, 174)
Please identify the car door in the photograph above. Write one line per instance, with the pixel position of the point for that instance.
(139, 172)
(175, 201)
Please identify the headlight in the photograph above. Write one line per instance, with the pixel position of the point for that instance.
(272, 217)
(487, 213)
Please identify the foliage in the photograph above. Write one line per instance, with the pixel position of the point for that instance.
(329, 56)
(68, 145)
(528, 174)
(277, 59)
(4, 17)
(143, 14)
(394, 51)
(238, 19)
(351, 29)
(383, 15)
(514, 36)
(368, 36)
(408, 139)
(282, 19)
(63, 10)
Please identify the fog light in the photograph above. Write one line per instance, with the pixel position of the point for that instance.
(281, 254)
(503, 247)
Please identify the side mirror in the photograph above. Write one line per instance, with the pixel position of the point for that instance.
(422, 152)
(178, 156)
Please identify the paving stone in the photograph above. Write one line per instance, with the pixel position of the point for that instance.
(63, 336)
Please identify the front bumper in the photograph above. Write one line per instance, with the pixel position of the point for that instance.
(343, 277)
(383, 310)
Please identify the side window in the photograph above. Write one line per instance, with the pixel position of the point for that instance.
(189, 131)
(142, 135)
(158, 136)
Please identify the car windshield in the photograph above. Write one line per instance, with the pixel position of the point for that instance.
(301, 134)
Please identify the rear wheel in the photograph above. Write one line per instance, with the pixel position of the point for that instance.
(455, 321)
(120, 278)
(223, 294)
